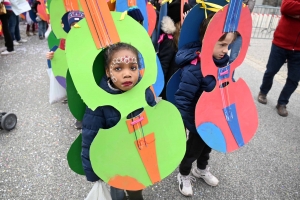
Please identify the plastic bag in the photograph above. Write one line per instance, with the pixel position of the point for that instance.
(48, 31)
(28, 19)
(99, 192)
(56, 92)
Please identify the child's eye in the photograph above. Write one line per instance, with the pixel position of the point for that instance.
(118, 69)
(133, 68)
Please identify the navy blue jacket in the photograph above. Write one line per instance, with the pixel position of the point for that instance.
(104, 117)
(192, 82)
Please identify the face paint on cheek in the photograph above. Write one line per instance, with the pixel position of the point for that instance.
(113, 78)
(123, 59)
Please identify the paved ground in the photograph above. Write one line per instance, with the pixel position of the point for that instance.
(33, 161)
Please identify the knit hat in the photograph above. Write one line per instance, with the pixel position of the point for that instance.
(135, 13)
(174, 10)
(75, 16)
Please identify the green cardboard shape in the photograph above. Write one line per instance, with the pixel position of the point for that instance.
(52, 40)
(80, 62)
(76, 104)
(74, 156)
(57, 10)
(59, 63)
(113, 152)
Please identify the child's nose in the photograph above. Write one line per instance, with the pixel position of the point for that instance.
(225, 50)
(127, 73)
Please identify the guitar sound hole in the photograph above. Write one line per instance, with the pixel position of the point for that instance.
(135, 113)
(225, 84)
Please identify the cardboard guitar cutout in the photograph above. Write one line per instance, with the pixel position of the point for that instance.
(229, 118)
(161, 138)
(85, 69)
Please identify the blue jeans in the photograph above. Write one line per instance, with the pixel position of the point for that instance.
(276, 60)
(116, 194)
(42, 28)
(13, 24)
(235, 48)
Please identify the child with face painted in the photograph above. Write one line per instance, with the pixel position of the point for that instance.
(191, 86)
(122, 74)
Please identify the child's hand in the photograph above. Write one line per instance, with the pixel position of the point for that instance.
(50, 55)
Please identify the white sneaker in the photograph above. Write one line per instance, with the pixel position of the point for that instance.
(205, 175)
(185, 186)
(22, 41)
(16, 43)
(2, 49)
(4, 53)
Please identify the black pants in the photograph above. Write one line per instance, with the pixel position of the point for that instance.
(135, 195)
(196, 149)
(7, 37)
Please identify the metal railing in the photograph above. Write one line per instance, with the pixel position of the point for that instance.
(264, 21)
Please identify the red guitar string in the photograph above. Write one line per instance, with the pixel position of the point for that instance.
(108, 40)
(72, 5)
(92, 19)
(105, 37)
(141, 131)
(101, 27)
(135, 135)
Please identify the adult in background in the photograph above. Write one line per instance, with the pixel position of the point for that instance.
(13, 24)
(285, 46)
(9, 46)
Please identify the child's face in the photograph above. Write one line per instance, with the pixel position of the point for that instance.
(123, 69)
(221, 47)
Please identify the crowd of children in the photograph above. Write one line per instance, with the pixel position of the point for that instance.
(122, 74)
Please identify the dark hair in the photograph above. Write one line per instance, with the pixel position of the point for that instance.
(112, 49)
(204, 26)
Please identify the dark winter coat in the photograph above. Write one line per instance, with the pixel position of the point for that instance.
(192, 83)
(103, 117)
(166, 55)
(167, 51)
(34, 6)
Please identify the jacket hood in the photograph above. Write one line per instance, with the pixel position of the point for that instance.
(167, 25)
(104, 85)
(187, 53)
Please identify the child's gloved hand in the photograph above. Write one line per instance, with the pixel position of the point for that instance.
(50, 55)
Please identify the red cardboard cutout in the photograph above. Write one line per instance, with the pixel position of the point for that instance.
(151, 18)
(236, 95)
(42, 11)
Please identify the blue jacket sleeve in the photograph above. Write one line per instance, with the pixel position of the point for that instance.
(92, 122)
(150, 98)
(185, 98)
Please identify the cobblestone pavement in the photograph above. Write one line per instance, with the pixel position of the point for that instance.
(33, 161)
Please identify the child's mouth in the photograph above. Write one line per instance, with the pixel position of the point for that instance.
(127, 84)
